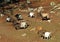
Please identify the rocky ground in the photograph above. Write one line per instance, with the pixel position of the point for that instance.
(9, 34)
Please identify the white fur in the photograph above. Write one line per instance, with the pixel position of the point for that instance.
(31, 14)
(23, 24)
(47, 34)
(8, 19)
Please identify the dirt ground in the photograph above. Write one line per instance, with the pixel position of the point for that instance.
(9, 34)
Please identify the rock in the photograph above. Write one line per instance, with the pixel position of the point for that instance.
(52, 3)
(24, 34)
(52, 11)
(35, 9)
(40, 9)
(49, 21)
(33, 29)
(58, 8)
(1, 15)
(28, 1)
(39, 28)
(30, 9)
